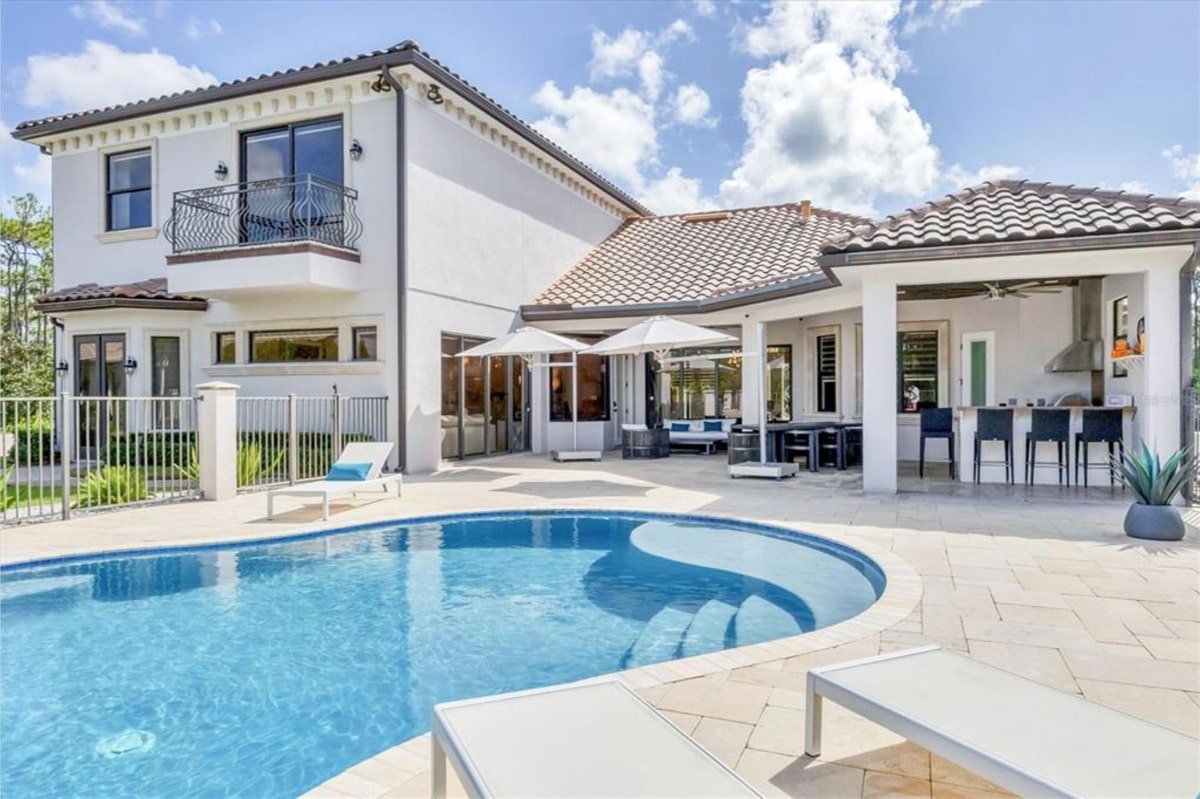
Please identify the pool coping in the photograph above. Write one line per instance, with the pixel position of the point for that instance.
(901, 594)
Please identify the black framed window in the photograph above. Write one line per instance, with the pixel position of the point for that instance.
(917, 370)
(1120, 330)
(129, 201)
(225, 347)
(593, 388)
(285, 346)
(365, 343)
(826, 373)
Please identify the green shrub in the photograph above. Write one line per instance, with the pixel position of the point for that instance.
(32, 447)
(253, 464)
(112, 485)
(148, 449)
(1152, 481)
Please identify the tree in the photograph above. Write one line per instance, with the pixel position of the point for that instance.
(26, 335)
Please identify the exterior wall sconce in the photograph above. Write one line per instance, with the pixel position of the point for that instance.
(434, 95)
(130, 365)
(221, 172)
(356, 150)
(61, 367)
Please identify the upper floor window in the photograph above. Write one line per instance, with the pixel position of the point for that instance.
(129, 193)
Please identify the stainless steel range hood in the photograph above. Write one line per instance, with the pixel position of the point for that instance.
(1085, 353)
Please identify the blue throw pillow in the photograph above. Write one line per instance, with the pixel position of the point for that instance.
(680, 427)
(712, 426)
(348, 471)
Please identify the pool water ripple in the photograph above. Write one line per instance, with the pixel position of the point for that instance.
(264, 670)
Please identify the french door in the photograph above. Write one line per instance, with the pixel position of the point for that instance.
(99, 373)
(282, 205)
(485, 404)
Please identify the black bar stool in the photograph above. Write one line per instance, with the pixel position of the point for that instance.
(1053, 425)
(802, 442)
(852, 442)
(1100, 426)
(829, 442)
(994, 424)
(937, 423)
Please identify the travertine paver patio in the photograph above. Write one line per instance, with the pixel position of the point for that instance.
(1042, 582)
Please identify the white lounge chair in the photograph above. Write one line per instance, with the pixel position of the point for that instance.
(360, 452)
(594, 739)
(1024, 736)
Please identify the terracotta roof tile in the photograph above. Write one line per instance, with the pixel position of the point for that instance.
(1020, 210)
(688, 257)
(153, 290)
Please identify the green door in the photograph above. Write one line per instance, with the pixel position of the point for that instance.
(979, 373)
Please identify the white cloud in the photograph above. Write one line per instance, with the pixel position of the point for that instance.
(704, 8)
(958, 177)
(108, 15)
(612, 131)
(30, 169)
(690, 106)
(943, 13)
(103, 74)
(825, 119)
(636, 52)
(679, 29)
(673, 193)
(197, 29)
(1185, 167)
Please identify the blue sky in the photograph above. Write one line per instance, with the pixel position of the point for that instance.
(860, 107)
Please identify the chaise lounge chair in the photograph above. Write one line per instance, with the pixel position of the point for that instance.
(1024, 736)
(358, 468)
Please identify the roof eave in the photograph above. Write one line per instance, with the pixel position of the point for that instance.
(101, 303)
(805, 285)
(1108, 241)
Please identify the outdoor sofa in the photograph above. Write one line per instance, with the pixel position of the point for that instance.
(703, 433)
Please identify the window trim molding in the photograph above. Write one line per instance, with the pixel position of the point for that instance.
(103, 234)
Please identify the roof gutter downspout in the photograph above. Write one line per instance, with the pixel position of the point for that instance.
(401, 273)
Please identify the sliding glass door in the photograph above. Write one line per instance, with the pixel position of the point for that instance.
(484, 405)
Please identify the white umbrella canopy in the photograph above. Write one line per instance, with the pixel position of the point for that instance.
(658, 335)
(525, 341)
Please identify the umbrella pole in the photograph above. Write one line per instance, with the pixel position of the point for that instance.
(575, 401)
(761, 333)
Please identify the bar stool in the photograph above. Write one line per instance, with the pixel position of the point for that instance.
(853, 443)
(1100, 426)
(1053, 425)
(801, 442)
(829, 441)
(937, 423)
(994, 424)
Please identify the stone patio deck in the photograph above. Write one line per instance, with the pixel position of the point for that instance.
(1041, 582)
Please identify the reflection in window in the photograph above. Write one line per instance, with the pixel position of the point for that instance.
(779, 383)
(225, 347)
(129, 201)
(1120, 330)
(593, 388)
(365, 343)
(450, 377)
(918, 370)
(704, 386)
(284, 346)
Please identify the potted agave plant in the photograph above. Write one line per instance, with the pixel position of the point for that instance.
(1154, 484)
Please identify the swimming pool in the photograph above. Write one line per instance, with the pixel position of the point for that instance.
(264, 669)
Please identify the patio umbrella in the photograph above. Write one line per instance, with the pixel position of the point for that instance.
(658, 335)
(529, 342)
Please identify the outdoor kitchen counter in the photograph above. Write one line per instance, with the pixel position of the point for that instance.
(1047, 452)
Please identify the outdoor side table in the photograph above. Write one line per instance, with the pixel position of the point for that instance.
(592, 740)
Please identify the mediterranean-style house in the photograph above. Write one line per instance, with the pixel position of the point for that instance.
(359, 222)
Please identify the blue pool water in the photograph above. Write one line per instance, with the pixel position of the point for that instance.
(263, 670)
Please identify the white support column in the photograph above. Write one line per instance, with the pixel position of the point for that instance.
(216, 440)
(879, 384)
(751, 362)
(1158, 409)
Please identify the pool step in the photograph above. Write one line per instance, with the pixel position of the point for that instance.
(661, 638)
(710, 625)
(758, 620)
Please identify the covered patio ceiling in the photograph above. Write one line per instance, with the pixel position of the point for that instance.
(982, 288)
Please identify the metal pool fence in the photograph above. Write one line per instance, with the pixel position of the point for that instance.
(66, 454)
(285, 440)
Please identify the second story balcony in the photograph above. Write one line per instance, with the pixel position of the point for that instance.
(302, 231)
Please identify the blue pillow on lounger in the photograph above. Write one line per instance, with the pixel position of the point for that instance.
(712, 426)
(680, 427)
(348, 471)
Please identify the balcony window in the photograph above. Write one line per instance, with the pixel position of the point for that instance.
(365, 340)
(129, 193)
(288, 346)
(225, 348)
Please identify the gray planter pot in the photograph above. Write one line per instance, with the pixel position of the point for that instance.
(1154, 522)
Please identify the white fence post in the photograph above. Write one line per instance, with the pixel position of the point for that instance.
(216, 440)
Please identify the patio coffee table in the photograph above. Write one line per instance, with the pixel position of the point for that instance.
(597, 739)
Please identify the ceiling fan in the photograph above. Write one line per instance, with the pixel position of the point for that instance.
(995, 291)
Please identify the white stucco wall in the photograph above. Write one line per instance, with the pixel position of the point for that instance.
(486, 232)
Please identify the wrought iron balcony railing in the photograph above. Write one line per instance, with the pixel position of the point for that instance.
(294, 208)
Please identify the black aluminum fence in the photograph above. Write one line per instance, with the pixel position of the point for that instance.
(294, 208)
(284, 440)
(63, 455)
